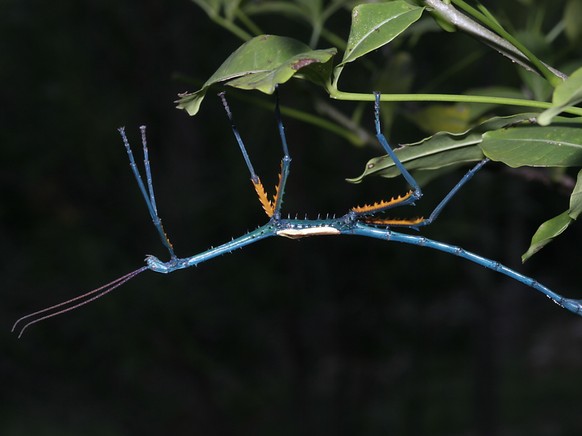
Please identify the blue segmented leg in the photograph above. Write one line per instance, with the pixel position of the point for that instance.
(438, 209)
(572, 305)
(148, 195)
(416, 190)
(271, 207)
(411, 196)
(407, 199)
(415, 223)
(285, 161)
(243, 149)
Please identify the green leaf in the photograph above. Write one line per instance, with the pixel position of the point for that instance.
(569, 90)
(266, 81)
(552, 228)
(444, 24)
(551, 146)
(568, 93)
(262, 63)
(546, 234)
(376, 24)
(441, 150)
(437, 152)
(576, 198)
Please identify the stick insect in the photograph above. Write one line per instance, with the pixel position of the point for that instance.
(359, 221)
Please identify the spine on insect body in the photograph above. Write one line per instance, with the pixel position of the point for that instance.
(156, 265)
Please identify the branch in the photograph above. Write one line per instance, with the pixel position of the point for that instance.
(448, 13)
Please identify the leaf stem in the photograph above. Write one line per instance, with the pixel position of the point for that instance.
(452, 98)
(245, 19)
(463, 22)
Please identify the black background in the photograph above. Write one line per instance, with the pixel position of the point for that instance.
(318, 336)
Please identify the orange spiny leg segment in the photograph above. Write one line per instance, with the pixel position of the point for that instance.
(393, 222)
(382, 205)
(278, 187)
(267, 204)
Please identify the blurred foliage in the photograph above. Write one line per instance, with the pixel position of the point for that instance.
(331, 335)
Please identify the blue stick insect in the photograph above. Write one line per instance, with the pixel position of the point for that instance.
(360, 221)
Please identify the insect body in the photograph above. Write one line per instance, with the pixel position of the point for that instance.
(358, 221)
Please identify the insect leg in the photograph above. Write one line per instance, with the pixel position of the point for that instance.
(438, 209)
(409, 198)
(416, 191)
(421, 222)
(148, 195)
(285, 162)
(268, 205)
(361, 229)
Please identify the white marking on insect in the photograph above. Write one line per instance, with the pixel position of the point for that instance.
(309, 231)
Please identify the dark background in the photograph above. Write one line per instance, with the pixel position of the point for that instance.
(322, 336)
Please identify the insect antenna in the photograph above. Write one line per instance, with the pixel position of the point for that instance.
(75, 302)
